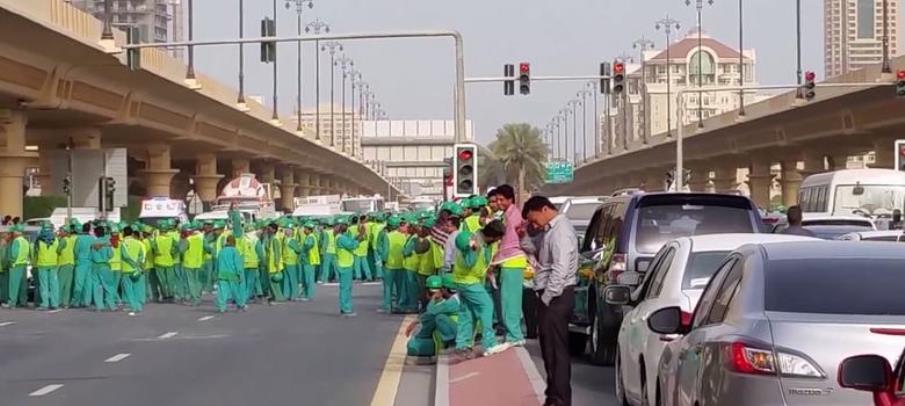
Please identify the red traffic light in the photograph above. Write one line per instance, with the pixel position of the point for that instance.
(900, 75)
(810, 76)
(465, 155)
(619, 68)
(524, 67)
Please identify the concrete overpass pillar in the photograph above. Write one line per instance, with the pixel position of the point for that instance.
(759, 182)
(206, 177)
(884, 151)
(700, 179)
(314, 184)
(287, 186)
(13, 159)
(86, 138)
(790, 182)
(653, 181)
(266, 173)
(240, 166)
(303, 181)
(158, 171)
(839, 161)
(812, 164)
(725, 178)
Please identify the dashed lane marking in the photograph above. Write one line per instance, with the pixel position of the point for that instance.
(45, 390)
(6, 323)
(117, 357)
(170, 334)
(205, 318)
(55, 311)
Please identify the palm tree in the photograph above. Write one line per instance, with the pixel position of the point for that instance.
(491, 172)
(521, 151)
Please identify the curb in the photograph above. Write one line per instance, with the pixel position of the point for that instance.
(534, 377)
(441, 381)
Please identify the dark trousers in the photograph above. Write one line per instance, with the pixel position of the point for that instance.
(553, 323)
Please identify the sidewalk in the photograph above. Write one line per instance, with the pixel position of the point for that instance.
(509, 378)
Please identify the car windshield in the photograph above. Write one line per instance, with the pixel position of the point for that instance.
(420, 206)
(582, 211)
(867, 286)
(358, 206)
(874, 200)
(832, 232)
(660, 223)
(701, 266)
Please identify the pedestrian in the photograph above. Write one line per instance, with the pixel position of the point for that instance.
(163, 248)
(554, 283)
(345, 261)
(410, 263)
(360, 232)
(274, 263)
(512, 262)
(178, 284)
(192, 251)
(46, 262)
(229, 270)
(206, 277)
(394, 275)
(291, 249)
(426, 264)
(328, 248)
(311, 258)
(795, 217)
(101, 254)
(18, 257)
(376, 226)
(470, 270)
(4, 265)
(82, 286)
(116, 263)
(132, 253)
(252, 251)
(68, 235)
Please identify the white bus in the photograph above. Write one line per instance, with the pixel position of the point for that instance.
(871, 193)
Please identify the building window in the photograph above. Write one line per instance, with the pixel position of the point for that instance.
(865, 19)
(701, 67)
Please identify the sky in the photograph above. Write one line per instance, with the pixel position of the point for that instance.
(414, 78)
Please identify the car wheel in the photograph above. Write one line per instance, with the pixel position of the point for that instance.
(620, 387)
(578, 343)
(603, 348)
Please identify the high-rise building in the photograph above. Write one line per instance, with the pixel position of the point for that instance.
(346, 126)
(853, 33)
(152, 17)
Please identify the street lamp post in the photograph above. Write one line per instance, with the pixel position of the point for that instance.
(592, 87)
(886, 68)
(741, 57)
(584, 93)
(316, 26)
(299, 8)
(275, 116)
(667, 25)
(345, 63)
(642, 44)
(332, 47)
(573, 104)
(699, 6)
(564, 113)
(241, 99)
(190, 71)
(355, 78)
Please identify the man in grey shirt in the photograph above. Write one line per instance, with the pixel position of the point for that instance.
(795, 219)
(554, 282)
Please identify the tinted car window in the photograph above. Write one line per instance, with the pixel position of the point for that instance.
(867, 286)
(656, 284)
(827, 232)
(710, 292)
(582, 211)
(665, 220)
(701, 266)
(727, 291)
(889, 238)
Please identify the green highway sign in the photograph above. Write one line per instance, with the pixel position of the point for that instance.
(559, 172)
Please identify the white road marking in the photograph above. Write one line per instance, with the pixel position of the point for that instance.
(7, 323)
(117, 357)
(164, 336)
(45, 390)
(205, 318)
(464, 377)
(55, 311)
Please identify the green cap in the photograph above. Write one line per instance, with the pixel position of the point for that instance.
(428, 222)
(449, 282)
(478, 201)
(310, 224)
(341, 221)
(434, 282)
(463, 240)
(394, 221)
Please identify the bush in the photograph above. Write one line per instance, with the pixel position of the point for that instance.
(41, 206)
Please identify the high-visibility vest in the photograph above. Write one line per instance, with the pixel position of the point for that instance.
(274, 265)
(133, 249)
(67, 254)
(116, 261)
(330, 242)
(410, 263)
(164, 255)
(24, 252)
(397, 244)
(193, 257)
(472, 223)
(176, 237)
(344, 258)
(249, 252)
(46, 255)
(362, 249)
(470, 275)
(426, 264)
(290, 257)
(149, 259)
(314, 254)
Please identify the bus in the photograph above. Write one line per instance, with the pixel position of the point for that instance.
(873, 193)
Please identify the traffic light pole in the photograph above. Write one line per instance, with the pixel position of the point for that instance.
(680, 109)
(457, 37)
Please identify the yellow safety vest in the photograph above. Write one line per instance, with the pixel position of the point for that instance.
(362, 249)
(47, 256)
(164, 255)
(116, 261)
(274, 265)
(331, 241)
(67, 255)
(314, 254)
(134, 249)
(344, 257)
(410, 263)
(396, 245)
(290, 257)
(149, 259)
(24, 252)
(426, 264)
(475, 274)
(249, 253)
(193, 257)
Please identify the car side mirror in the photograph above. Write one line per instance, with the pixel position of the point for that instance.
(870, 373)
(669, 320)
(618, 295)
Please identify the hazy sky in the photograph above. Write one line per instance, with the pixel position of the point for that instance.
(414, 77)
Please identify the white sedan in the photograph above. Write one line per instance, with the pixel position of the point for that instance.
(885, 235)
(676, 277)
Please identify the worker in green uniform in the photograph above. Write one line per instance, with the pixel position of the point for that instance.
(206, 277)
(67, 262)
(163, 247)
(311, 258)
(148, 266)
(410, 264)
(230, 267)
(252, 251)
(82, 286)
(472, 222)
(4, 276)
(328, 250)
(274, 263)
(132, 253)
(438, 323)
(292, 250)
(17, 258)
(46, 261)
(359, 229)
(192, 249)
(101, 254)
(116, 262)
(394, 275)
(381, 248)
(176, 278)
(346, 245)
(426, 264)
(376, 226)
(471, 262)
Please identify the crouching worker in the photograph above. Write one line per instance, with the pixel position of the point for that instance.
(439, 322)
(230, 267)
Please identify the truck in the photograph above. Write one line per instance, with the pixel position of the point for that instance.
(157, 209)
(248, 195)
(362, 204)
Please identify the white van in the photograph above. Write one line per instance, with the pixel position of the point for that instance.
(853, 192)
(156, 209)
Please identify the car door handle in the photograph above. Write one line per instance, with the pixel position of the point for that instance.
(666, 338)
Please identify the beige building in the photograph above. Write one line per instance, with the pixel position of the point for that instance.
(413, 151)
(341, 125)
(152, 17)
(853, 33)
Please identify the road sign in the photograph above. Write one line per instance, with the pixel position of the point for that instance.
(559, 172)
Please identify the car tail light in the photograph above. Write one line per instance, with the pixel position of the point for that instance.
(888, 331)
(617, 266)
(747, 359)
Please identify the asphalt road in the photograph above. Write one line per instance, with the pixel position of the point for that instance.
(591, 385)
(291, 353)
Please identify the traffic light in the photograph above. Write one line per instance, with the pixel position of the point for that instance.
(524, 78)
(605, 72)
(900, 155)
(618, 78)
(465, 170)
(67, 185)
(107, 188)
(809, 85)
(268, 48)
(509, 84)
(133, 56)
(110, 185)
(900, 83)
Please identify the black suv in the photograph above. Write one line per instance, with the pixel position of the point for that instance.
(624, 235)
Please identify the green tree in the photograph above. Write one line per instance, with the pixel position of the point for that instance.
(520, 150)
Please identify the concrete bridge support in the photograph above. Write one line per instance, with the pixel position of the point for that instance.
(287, 189)
(13, 159)
(303, 181)
(759, 182)
(725, 178)
(700, 178)
(158, 171)
(206, 177)
(790, 182)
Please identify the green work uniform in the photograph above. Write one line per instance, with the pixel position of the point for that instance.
(345, 261)
(163, 246)
(46, 261)
(192, 261)
(362, 268)
(328, 258)
(19, 252)
(292, 249)
(66, 269)
(310, 259)
(274, 266)
(439, 325)
(411, 293)
(394, 277)
(230, 267)
(469, 271)
(132, 253)
(251, 250)
(104, 290)
(83, 285)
